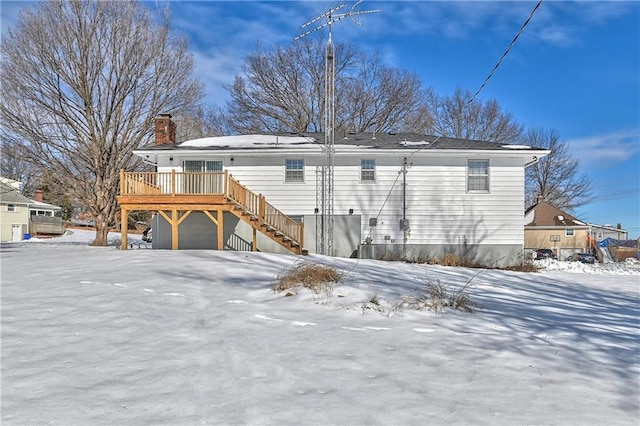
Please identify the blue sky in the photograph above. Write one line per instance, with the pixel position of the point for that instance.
(575, 69)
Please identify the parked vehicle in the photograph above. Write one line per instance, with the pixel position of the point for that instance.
(581, 257)
(544, 254)
(147, 234)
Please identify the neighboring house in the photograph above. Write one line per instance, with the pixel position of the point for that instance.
(602, 232)
(14, 211)
(21, 216)
(404, 192)
(548, 227)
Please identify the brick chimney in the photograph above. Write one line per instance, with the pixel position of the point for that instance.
(38, 196)
(165, 130)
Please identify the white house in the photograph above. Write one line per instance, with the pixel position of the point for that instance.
(602, 232)
(403, 193)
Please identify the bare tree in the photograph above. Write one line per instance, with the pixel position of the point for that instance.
(556, 177)
(203, 122)
(15, 165)
(454, 116)
(378, 98)
(82, 82)
(282, 89)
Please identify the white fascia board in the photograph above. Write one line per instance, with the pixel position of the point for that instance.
(542, 227)
(313, 150)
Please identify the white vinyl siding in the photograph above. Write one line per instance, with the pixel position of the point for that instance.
(368, 170)
(439, 208)
(294, 170)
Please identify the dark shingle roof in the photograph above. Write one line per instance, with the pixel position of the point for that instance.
(410, 141)
(10, 195)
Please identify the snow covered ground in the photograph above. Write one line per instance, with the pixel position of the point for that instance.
(103, 336)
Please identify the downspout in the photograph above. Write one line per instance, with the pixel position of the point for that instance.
(404, 209)
(532, 162)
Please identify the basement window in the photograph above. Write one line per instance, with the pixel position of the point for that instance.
(478, 176)
(294, 170)
(367, 170)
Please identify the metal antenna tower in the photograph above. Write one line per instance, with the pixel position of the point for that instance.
(324, 227)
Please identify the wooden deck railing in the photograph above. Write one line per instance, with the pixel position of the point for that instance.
(171, 183)
(193, 183)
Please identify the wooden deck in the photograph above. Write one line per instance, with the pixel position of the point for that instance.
(174, 195)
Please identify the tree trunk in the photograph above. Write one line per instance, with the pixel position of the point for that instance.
(102, 230)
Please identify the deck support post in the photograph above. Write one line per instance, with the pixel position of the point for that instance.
(220, 230)
(254, 245)
(174, 229)
(124, 220)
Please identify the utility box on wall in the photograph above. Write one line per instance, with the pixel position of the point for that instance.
(346, 234)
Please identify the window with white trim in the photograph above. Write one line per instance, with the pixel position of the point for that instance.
(294, 170)
(12, 208)
(478, 175)
(198, 177)
(197, 166)
(367, 170)
(568, 232)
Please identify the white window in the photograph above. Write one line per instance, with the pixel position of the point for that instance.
(367, 170)
(203, 166)
(294, 170)
(196, 182)
(478, 175)
(12, 208)
(568, 232)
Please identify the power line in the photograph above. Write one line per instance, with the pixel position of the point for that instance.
(506, 52)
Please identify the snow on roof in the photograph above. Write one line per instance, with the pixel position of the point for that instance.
(248, 141)
(419, 143)
(516, 146)
(39, 204)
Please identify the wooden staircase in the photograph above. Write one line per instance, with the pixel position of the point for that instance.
(254, 209)
(185, 192)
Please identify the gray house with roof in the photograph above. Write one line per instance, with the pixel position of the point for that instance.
(20, 216)
(393, 193)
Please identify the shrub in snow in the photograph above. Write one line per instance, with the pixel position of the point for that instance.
(522, 264)
(317, 278)
(438, 296)
(450, 259)
(373, 304)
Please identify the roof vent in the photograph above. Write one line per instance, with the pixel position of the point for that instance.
(560, 217)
